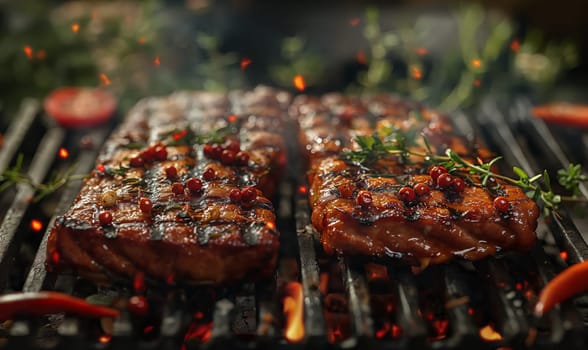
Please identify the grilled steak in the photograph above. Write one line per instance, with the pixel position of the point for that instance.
(180, 191)
(359, 209)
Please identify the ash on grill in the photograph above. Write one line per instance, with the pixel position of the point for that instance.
(315, 301)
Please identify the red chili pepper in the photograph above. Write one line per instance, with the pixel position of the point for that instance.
(571, 281)
(42, 303)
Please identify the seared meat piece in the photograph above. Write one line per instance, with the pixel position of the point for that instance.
(430, 228)
(180, 191)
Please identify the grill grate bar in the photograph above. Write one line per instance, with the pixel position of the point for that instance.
(17, 131)
(464, 331)
(39, 167)
(314, 321)
(408, 317)
(359, 303)
(37, 277)
(506, 305)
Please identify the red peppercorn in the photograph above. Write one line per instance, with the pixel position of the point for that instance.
(194, 184)
(160, 153)
(406, 194)
(137, 162)
(436, 171)
(138, 305)
(177, 188)
(459, 184)
(235, 195)
(216, 152)
(421, 189)
(148, 154)
(501, 204)
(234, 146)
(364, 198)
(105, 218)
(145, 204)
(242, 158)
(248, 194)
(444, 180)
(209, 174)
(171, 172)
(228, 157)
(207, 150)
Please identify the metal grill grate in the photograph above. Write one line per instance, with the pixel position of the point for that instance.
(347, 303)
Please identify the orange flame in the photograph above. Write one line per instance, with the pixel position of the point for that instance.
(63, 153)
(361, 57)
(354, 21)
(477, 63)
(28, 51)
(105, 80)
(245, 62)
(36, 225)
(157, 61)
(488, 333)
(299, 83)
(75, 27)
(293, 312)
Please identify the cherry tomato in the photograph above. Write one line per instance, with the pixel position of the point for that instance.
(78, 107)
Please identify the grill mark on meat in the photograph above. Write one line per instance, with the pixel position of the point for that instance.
(439, 226)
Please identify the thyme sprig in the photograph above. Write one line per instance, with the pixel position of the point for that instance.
(14, 175)
(374, 147)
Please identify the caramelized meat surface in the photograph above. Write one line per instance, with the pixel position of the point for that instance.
(181, 191)
(432, 227)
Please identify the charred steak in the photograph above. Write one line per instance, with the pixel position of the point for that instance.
(181, 191)
(360, 210)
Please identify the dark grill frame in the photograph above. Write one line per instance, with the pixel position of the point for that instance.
(506, 304)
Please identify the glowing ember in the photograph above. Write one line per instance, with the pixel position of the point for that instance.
(293, 312)
(139, 282)
(416, 72)
(270, 225)
(104, 338)
(515, 45)
(245, 62)
(104, 79)
(232, 118)
(477, 63)
(198, 331)
(393, 330)
(75, 27)
(489, 334)
(421, 51)
(470, 311)
(36, 225)
(28, 51)
(440, 327)
(55, 258)
(376, 272)
(63, 153)
(564, 255)
(148, 329)
(302, 189)
(354, 21)
(170, 279)
(361, 57)
(299, 83)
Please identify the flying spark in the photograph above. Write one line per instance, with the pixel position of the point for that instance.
(157, 61)
(36, 225)
(245, 62)
(477, 63)
(105, 80)
(354, 21)
(28, 51)
(361, 57)
(421, 51)
(416, 73)
(299, 83)
(75, 27)
(515, 45)
(63, 153)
